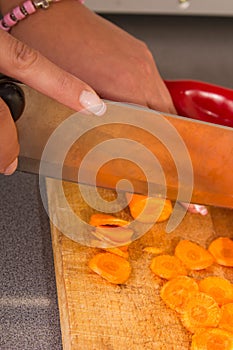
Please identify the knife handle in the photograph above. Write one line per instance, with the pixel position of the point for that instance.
(12, 95)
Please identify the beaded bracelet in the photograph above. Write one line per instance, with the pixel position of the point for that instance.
(20, 12)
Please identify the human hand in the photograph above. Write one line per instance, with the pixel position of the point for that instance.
(21, 62)
(117, 65)
(9, 147)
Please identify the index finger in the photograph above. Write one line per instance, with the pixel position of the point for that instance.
(27, 65)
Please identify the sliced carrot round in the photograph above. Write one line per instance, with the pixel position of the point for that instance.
(167, 266)
(212, 339)
(222, 251)
(111, 267)
(193, 255)
(218, 288)
(175, 292)
(200, 310)
(226, 320)
(149, 209)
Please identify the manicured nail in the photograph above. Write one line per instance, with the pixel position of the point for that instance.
(201, 209)
(92, 103)
(11, 168)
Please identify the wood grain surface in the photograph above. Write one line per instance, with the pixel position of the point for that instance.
(96, 315)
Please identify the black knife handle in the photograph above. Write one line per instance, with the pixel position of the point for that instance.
(13, 96)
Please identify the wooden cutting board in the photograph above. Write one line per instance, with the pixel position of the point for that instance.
(96, 315)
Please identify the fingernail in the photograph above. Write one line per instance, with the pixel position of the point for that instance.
(90, 101)
(11, 168)
(201, 209)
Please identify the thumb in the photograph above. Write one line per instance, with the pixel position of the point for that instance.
(9, 146)
(27, 65)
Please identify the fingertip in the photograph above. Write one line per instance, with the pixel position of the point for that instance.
(11, 168)
(92, 103)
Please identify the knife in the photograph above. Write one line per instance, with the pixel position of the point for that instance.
(165, 155)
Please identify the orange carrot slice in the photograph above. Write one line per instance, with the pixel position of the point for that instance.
(111, 267)
(218, 288)
(193, 255)
(222, 251)
(212, 339)
(167, 266)
(200, 310)
(107, 220)
(118, 251)
(226, 320)
(176, 291)
(114, 235)
(154, 250)
(149, 209)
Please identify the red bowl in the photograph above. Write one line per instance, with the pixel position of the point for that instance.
(202, 101)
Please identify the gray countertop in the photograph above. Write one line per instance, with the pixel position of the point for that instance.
(29, 317)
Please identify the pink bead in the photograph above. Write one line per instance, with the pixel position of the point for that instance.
(18, 14)
(8, 20)
(29, 7)
(4, 28)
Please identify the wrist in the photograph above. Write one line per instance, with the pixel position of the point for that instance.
(21, 11)
(8, 5)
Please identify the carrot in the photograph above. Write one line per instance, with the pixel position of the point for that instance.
(222, 251)
(167, 266)
(118, 251)
(107, 220)
(193, 255)
(218, 288)
(200, 310)
(212, 339)
(226, 320)
(175, 292)
(111, 267)
(154, 250)
(149, 209)
(114, 235)
(111, 229)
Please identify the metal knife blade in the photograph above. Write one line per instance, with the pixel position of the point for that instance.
(189, 155)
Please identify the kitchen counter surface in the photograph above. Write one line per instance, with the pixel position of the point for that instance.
(29, 317)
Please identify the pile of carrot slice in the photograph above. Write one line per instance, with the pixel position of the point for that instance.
(205, 307)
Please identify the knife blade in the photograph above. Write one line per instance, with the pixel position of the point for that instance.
(170, 155)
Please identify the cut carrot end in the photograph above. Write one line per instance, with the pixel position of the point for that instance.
(200, 310)
(149, 209)
(226, 320)
(167, 266)
(218, 288)
(193, 255)
(212, 339)
(176, 291)
(222, 251)
(111, 267)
